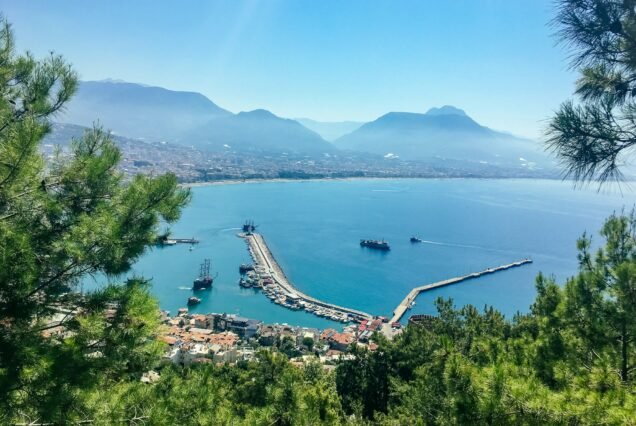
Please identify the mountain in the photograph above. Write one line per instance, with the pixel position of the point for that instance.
(257, 130)
(139, 111)
(330, 130)
(445, 134)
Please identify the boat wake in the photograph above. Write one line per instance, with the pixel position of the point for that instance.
(184, 288)
(468, 246)
(229, 229)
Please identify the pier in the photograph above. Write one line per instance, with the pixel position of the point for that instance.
(262, 256)
(174, 241)
(185, 240)
(398, 313)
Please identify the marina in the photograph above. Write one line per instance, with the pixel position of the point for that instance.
(268, 276)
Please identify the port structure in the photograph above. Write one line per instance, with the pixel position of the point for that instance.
(263, 256)
(401, 309)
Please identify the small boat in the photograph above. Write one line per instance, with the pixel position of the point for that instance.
(415, 240)
(245, 267)
(193, 301)
(244, 283)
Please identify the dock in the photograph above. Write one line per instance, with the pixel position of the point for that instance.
(262, 256)
(185, 240)
(174, 241)
(401, 309)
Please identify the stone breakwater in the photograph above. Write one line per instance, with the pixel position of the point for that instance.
(270, 277)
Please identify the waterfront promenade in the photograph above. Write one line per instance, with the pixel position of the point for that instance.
(263, 256)
(398, 313)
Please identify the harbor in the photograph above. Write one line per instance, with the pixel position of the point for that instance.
(268, 276)
(409, 300)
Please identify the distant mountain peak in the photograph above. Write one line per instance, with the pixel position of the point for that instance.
(446, 110)
(258, 113)
(111, 80)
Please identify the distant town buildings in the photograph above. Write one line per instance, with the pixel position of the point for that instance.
(228, 338)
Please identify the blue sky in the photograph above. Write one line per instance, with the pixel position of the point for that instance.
(327, 60)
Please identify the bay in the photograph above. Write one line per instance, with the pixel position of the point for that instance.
(314, 227)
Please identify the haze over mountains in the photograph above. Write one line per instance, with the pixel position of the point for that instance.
(257, 130)
(330, 130)
(139, 111)
(442, 135)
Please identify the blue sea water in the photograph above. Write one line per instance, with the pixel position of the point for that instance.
(314, 227)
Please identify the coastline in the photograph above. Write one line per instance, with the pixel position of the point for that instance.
(356, 178)
(287, 180)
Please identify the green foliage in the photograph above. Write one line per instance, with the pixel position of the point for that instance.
(569, 361)
(58, 224)
(73, 358)
(268, 392)
(593, 138)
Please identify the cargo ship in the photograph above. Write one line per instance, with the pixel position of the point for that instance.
(204, 281)
(375, 244)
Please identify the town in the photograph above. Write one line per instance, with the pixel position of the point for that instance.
(229, 338)
(192, 165)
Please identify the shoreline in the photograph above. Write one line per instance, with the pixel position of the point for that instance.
(356, 178)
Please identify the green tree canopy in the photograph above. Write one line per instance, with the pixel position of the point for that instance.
(593, 137)
(58, 223)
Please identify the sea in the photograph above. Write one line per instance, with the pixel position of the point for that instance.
(313, 229)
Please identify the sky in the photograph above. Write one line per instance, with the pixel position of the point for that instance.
(326, 60)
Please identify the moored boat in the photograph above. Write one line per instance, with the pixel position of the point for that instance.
(193, 301)
(245, 267)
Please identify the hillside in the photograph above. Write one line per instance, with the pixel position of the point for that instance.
(257, 130)
(444, 134)
(139, 111)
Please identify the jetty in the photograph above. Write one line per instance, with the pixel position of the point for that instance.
(185, 240)
(174, 241)
(398, 313)
(263, 257)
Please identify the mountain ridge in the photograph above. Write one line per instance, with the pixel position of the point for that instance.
(442, 134)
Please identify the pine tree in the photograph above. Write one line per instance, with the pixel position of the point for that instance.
(592, 137)
(60, 222)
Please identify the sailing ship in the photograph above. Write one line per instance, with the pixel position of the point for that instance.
(249, 227)
(204, 281)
